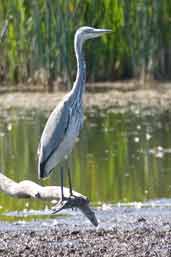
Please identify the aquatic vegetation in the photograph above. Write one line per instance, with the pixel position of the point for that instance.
(39, 43)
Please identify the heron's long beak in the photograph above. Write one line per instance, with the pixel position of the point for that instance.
(100, 32)
(103, 30)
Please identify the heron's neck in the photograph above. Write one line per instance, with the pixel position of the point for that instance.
(79, 84)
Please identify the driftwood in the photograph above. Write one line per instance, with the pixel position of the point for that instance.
(30, 189)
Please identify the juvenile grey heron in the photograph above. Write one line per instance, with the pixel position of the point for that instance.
(66, 120)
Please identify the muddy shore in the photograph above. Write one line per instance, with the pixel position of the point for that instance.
(155, 99)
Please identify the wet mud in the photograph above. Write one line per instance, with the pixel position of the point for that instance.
(153, 99)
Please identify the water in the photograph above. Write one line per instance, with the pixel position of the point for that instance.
(119, 158)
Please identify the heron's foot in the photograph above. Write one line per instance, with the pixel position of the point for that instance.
(76, 202)
(59, 206)
(70, 202)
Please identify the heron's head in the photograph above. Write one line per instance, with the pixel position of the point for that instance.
(85, 33)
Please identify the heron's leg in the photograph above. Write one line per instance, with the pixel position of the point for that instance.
(62, 183)
(69, 181)
(68, 164)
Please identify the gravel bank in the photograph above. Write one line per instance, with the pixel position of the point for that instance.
(122, 232)
(145, 241)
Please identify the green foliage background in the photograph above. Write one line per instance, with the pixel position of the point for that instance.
(41, 35)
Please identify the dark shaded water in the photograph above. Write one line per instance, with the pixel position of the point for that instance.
(119, 157)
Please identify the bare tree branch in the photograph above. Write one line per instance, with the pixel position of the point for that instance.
(30, 189)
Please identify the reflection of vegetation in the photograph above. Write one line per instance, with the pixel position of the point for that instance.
(41, 36)
(110, 163)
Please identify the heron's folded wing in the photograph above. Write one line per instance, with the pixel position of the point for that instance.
(54, 131)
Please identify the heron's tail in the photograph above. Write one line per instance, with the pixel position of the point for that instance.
(41, 170)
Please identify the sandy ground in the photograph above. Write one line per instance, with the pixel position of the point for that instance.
(158, 99)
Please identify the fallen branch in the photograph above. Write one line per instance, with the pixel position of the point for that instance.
(30, 189)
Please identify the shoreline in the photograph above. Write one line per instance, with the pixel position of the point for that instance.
(122, 232)
(143, 99)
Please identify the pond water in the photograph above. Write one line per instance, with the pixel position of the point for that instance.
(118, 158)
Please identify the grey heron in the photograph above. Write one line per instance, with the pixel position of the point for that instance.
(65, 121)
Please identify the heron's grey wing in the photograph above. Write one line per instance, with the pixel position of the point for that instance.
(54, 131)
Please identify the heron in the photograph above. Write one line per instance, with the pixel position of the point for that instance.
(64, 123)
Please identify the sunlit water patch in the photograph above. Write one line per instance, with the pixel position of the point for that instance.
(119, 158)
